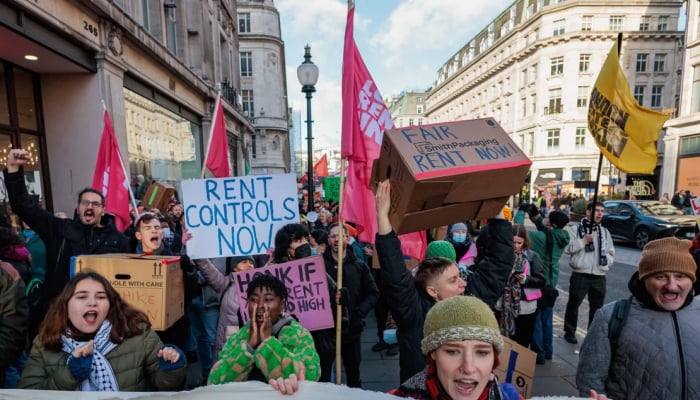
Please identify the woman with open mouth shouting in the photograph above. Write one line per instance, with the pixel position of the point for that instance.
(92, 340)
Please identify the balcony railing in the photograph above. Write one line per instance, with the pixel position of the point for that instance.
(230, 94)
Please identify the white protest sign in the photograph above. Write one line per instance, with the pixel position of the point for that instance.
(238, 215)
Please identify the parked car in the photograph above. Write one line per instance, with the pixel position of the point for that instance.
(640, 221)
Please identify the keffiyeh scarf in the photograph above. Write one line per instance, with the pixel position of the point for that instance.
(511, 298)
(102, 377)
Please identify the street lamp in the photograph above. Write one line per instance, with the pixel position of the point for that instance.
(307, 73)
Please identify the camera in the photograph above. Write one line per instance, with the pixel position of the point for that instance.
(590, 247)
(603, 261)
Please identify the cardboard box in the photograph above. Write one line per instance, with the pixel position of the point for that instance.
(448, 172)
(152, 284)
(158, 195)
(517, 367)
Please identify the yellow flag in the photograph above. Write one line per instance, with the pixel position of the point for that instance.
(625, 132)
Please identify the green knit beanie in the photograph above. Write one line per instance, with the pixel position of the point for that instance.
(441, 248)
(460, 318)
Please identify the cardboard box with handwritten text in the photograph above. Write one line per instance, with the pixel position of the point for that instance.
(517, 366)
(448, 172)
(152, 284)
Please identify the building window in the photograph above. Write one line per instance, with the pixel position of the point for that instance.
(246, 63)
(410, 122)
(243, 22)
(554, 102)
(639, 94)
(247, 103)
(530, 146)
(420, 121)
(533, 104)
(663, 23)
(558, 27)
(419, 99)
(644, 23)
(419, 109)
(580, 174)
(587, 23)
(171, 29)
(659, 62)
(524, 77)
(557, 66)
(580, 137)
(552, 139)
(656, 92)
(642, 62)
(254, 144)
(695, 99)
(584, 62)
(144, 13)
(583, 94)
(616, 22)
(534, 72)
(523, 106)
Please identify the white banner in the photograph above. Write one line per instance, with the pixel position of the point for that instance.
(237, 215)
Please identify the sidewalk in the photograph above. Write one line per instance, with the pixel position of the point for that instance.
(557, 377)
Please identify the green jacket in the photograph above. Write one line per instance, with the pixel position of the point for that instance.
(538, 244)
(289, 349)
(134, 362)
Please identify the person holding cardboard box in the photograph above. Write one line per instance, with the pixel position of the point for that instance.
(436, 279)
(461, 342)
(92, 340)
(272, 345)
(90, 232)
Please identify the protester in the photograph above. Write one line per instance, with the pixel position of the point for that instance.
(89, 233)
(291, 243)
(592, 255)
(657, 352)
(461, 240)
(14, 317)
(91, 340)
(358, 297)
(272, 345)
(226, 288)
(516, 308)
(461, 343)
(436, 279)
(318, 239)
(549, 243)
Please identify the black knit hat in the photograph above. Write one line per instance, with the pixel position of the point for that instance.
(558, 219)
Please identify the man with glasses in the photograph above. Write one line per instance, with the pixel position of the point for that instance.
(88, 233)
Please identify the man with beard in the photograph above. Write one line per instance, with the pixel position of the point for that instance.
(358, 297)
(647, 346)
(88, 233)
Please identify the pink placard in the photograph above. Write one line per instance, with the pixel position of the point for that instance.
(307, 289)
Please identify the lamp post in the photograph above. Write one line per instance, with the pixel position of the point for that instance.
(307, 73)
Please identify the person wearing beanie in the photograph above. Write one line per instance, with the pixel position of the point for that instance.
(441, 248)
(224, 286)
(549, 242)
(461, 343)
(657, 353)
(436, 279)
(461, 240)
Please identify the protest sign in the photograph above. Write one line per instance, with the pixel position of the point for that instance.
(237, 215)
(331, 185)
(307, 288)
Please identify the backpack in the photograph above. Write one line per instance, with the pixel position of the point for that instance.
(617, 321)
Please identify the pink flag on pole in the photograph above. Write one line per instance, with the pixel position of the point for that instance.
(109, 177)
(218, 156)
(365, 118)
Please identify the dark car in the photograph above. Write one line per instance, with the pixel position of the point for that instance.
(640, 221)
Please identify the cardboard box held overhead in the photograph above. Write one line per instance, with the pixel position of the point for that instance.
(152, 284)
(517, 367)
(158, 195)
(448, 172)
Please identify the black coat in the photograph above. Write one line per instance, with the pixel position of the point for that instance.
(409, 304)
(64, 238)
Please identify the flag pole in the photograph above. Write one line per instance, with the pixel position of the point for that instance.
(126, 174)
(211, 133)
(339, 308)
(600, 158)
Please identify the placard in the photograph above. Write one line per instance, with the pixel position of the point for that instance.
(237, 215)
(307, 288)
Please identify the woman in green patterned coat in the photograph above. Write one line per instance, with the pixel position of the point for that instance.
(272, 345)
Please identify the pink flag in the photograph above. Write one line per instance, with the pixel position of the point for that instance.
(365, 118)
(110, 178)
(218, 156)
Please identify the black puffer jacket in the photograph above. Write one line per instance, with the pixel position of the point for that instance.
(409, 304)
(64, 238)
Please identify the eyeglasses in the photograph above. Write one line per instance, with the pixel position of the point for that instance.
(94, 204)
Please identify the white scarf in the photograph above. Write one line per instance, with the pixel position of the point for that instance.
(102, 377)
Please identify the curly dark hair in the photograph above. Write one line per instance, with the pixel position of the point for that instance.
(126, 321)
(284, 238)
(320, 236)
(268, 281)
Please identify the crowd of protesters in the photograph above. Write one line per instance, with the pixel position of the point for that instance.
(474, 287)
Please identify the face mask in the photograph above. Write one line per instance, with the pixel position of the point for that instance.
(459, 237)
(314, 251)
(302, 251)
